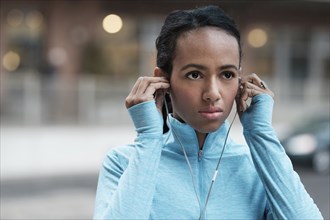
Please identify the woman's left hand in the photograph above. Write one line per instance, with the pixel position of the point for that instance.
(250, 86)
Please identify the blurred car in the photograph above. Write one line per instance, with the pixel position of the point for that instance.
(309, 144)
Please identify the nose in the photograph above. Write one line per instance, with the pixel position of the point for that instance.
(211, 91)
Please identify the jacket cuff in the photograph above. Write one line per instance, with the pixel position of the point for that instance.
(259, 114)
(146, 118)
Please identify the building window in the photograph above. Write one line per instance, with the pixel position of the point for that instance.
(299, 61)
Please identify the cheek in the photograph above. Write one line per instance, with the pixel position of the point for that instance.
(183, 98)
(230, 96)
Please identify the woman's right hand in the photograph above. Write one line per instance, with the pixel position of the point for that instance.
(146, 89)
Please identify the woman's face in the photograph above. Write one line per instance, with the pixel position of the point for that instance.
(204, 79)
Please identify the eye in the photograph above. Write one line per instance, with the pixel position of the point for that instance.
(193, 75)
(228, 74)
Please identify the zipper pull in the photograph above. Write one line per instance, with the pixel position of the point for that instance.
(200, 154)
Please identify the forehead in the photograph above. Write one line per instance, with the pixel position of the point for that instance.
(206, 42)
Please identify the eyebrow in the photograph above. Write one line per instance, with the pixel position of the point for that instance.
(201, 67)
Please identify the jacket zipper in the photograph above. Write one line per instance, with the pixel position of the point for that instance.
(200, 154)
(201, 179)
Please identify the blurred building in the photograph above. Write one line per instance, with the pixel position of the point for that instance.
(67, 61)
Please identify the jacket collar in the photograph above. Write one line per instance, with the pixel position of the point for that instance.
(184, 133)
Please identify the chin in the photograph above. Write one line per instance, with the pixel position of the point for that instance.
(209, 128)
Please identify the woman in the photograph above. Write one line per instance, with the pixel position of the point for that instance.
(173, 175)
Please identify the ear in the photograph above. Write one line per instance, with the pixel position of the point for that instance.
(159, 72)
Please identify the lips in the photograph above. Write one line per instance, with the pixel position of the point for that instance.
(211, 113)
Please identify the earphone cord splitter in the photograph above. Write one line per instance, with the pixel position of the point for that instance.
(202, 213)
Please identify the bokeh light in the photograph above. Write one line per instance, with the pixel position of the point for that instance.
(57, 56)
(257, 37)
(112, 23)
(34, 19)
(11, 61)
(15, 18)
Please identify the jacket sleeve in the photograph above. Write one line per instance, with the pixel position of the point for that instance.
(125, 189)
(286, 195)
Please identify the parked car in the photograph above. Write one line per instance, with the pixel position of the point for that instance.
(309, 144)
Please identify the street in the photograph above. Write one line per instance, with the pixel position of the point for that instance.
(51, 172)
(318, 186)
(72, 197)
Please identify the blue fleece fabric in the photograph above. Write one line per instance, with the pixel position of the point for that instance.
(150, 178)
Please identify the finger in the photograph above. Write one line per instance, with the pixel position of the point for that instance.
(153, 87)
(241, 98)
(238, 97)
(248, 90)
(146, 81)
(148, 95)
(129, 101)
(254, 79)
(260, 88)
(251, 85)
(252, 89)
(136, 85)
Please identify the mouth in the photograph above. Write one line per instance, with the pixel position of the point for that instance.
(211, 113)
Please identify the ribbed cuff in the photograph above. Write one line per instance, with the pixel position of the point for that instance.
(146, 118)
(259, 114)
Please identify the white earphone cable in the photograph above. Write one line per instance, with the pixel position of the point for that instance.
(216, 169)
(186, 157)
(202, 209)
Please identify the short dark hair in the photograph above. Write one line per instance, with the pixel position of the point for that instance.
(181, 21)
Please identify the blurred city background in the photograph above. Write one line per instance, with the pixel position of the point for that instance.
(67, 66)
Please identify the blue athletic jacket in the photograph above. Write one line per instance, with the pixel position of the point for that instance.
(150, 178)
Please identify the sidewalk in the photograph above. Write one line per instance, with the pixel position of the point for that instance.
(49, 151)
(51, 172)
(58, 197)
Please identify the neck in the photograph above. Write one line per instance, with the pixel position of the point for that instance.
(201, 138)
